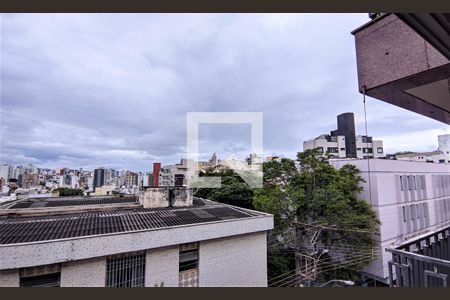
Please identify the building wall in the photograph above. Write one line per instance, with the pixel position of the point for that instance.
(234, 261)
(444, 143)
(162, 267)
(321, 142)
(381, 49)
(9, 278)
(85, 273)
(410, 199)
(237, 261)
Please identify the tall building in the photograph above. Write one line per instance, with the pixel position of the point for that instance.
(6, 172)
(254, 159)
(170, 239)
(344, 143)
(130, 179)
(346, 128)
(99, 177)
(411, 199)
(174, 175)
(30, 181)
(156, 171)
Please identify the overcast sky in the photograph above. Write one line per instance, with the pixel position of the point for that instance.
(90, 90)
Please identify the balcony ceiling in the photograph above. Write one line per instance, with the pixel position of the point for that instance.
(434, 28)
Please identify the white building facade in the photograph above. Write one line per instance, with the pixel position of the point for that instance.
(410, 198)
(334, 146)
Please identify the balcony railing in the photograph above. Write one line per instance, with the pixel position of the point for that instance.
(423, 262)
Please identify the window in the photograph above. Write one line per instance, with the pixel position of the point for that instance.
(379, 150)
(188, 266)
(401, 183)
(410, 180)
(126, 270)
(367, 150)
(358, 149)
(320, 149)
(179, 179)
(404, 214)
(342, 149)
(42, 276)
(332, 150)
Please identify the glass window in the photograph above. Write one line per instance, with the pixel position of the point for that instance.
(41, 276)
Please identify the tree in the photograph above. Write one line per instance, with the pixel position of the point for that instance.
(233, 189)
(150, 180)
(315, 196)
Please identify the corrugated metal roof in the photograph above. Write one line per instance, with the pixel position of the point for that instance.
(49, 202)
(32, 229)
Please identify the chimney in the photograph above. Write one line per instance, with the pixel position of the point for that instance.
(156, 168)
(157, 197)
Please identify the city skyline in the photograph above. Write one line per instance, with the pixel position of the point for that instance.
(114, 96)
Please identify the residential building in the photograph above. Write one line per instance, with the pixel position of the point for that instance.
(273, 157)
(410, 199)
(6, 172)
(174, 175)
(30, 181)
(254, 159)
(442, 155)
(163, 237)
(99, 178)
(104, 190)
(344, 143)
(130, 179)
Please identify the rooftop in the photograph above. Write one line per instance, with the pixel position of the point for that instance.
(18, 229)
(70, 201)
(419, 153)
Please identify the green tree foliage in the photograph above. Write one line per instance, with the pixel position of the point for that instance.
(68, 192)
(316, 193)
(233, 189)
(150, 180)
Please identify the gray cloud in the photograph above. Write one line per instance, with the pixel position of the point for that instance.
(84, 90)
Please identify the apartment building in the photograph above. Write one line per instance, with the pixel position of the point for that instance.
(410, 198)
(344, 143)
(6, 172)
(163, 237)
(442, 155)
(174, 175)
